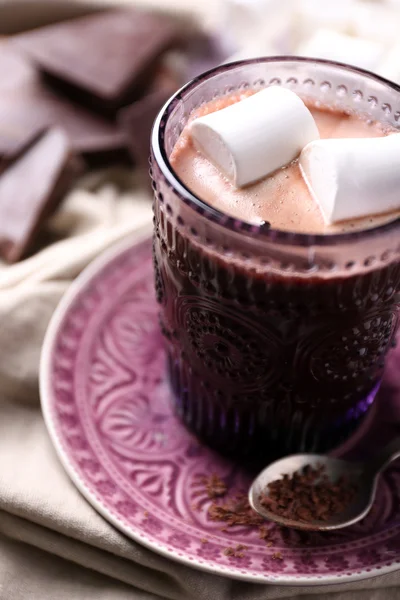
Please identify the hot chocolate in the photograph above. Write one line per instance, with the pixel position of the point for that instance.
(282, 199)
(275, 340)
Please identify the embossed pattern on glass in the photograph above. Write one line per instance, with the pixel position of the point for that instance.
(276, 341)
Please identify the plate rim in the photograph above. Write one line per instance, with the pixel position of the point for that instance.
(79, 283)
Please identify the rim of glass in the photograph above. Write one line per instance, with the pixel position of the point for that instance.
(215, 215)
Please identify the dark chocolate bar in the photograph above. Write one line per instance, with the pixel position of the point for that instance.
(136, 121)
(30, 190)
(27, 106)
(14, 141)
(103, 60)
(15, 137)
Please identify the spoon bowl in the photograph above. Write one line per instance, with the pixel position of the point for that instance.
(363, 475)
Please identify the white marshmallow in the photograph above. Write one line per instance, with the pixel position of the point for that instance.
(352, 178)
(332, 45)
(256, 136)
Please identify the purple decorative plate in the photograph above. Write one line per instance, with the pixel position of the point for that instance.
(107, 407)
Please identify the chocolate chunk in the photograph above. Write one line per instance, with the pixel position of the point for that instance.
(14, 141)
(102, 60)
(136, 122)
(16, 73)
(30, 190)
(27, 106)
(204, 51)
(15, 137)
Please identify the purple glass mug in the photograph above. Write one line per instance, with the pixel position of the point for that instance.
(275, 341)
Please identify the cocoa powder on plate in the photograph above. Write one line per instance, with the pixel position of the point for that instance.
(214, 485)
(231, 509)
(235, 511)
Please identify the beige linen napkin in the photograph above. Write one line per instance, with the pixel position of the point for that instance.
(53, 545)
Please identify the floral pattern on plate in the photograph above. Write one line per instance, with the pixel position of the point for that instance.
(107, 406)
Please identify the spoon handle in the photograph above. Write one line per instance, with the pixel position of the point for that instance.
(385, 456)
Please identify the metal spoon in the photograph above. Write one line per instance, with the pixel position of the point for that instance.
(365, 475)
